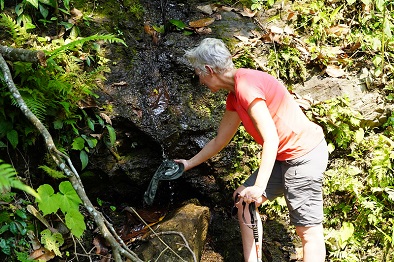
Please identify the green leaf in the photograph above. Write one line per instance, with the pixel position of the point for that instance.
(83, 156)
(19, 9)
(92, 142)
(48, 2)
(44, 12)
(345, 233)
(12, 136)
(78, 144)
(379, 4)
(52, 241)
(69, 199)
(159, 29)
(75, 222)
(178, 23)
(90, 123)
(33, 3)
(112, 134)
(48, 202)
(359, 135)
(387, 29)
(58, 124)
(20, 214)
(52, 172)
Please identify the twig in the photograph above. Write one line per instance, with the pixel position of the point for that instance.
(165, 233)
(183, 238)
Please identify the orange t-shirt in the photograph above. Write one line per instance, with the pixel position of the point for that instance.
(297, 134)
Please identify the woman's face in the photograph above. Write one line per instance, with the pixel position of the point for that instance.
(207, 80)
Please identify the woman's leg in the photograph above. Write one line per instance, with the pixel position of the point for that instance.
(248, 242)
(314, 248)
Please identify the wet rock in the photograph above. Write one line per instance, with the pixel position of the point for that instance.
(192, 222)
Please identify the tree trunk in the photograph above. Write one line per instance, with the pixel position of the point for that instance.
(18, 54)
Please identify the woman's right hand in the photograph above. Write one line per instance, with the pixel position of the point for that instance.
(184, 162)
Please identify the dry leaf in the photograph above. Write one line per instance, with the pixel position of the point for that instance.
(354, 47)
(203, 30)
(338, 30)
(106, 118)
(202, 22)
(290, 16)
(100, 246)
(42, 254)
(244, 39)
(76, 14)
(288, 30)
(149, 29)
(35, 243)
(247, 12)
(276, 30)
(228, 8)
(334, 71)
(206, 9)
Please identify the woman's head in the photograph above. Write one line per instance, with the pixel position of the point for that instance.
(213, 53)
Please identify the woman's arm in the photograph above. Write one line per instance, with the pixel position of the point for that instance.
(261, 117)
(227, 128)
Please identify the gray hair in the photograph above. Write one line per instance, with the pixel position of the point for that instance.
(212, 52)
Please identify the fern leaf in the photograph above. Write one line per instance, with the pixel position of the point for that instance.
(53, 173)
(34, 103)
(8, 179)
(19, 33)
(108, 38)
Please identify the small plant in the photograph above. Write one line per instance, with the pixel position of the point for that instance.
(259, 4)
(67, 201)
(286, 63)
(15, 225)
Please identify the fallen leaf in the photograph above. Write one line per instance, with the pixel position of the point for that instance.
(247, 12)
(76, 14)
(354, 47)
(244, 39)
(203, 30)
(276, 30)
(202, 22)
(290, 16)
(338, 30)
(228, 8)
(149, 29)
(206, 9)
(106, 118)
(101, 248)
(42, 254)
(334, 71)
(288, 30)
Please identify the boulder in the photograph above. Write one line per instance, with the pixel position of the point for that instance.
(184, 233)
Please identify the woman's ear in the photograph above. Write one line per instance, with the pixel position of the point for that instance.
(209, 69)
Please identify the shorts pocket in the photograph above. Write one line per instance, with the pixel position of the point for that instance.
(298, 189)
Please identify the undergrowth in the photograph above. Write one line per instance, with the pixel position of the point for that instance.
(61, 94)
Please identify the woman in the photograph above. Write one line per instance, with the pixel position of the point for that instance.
(294, 152)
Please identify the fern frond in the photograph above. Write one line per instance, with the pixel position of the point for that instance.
(108, 38)
(8, 179)
(36, 104)
(7, 175)
(52, 172)
(19, 33)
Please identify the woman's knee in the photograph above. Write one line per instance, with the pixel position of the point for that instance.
(310, 233)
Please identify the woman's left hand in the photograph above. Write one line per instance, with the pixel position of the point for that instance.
(252, 194)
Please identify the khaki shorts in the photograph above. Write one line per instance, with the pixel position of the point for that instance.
(300, 181)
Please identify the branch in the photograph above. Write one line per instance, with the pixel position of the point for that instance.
(65, 164)
(18, 54)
